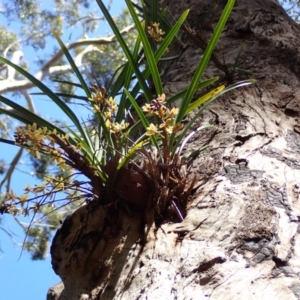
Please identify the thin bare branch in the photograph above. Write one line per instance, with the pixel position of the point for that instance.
(9, 85)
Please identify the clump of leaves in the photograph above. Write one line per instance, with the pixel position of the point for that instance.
(148, 171)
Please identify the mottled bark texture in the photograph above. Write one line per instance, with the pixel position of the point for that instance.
(240, 238)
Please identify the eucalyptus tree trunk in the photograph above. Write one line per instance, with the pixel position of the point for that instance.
(239, 239)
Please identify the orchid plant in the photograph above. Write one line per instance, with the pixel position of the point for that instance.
(145, 170)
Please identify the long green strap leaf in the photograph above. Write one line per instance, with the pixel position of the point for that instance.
(126, 50)
(137, 109)
(131, 151)
(127, 80)
(141, 115)
(203, 107)
(147, 49)
(26, 116)
(154, 10)
(191, 135)
(204, 61)
(73, 65)
(48, 92)
(68, 82)
(117, 81)
(201, 85)
(170, 36)
(204, 98)
(80, 78)
(84, 98)
(163, 47)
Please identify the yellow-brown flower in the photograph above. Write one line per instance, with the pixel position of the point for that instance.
(152, 129)
(155, 32)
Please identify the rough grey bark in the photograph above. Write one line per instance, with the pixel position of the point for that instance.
(240, 238)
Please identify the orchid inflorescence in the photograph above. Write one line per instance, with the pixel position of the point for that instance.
(156, 32)
(108, 107)
(166, 116)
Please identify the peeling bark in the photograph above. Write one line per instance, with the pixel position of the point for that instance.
(240, 238)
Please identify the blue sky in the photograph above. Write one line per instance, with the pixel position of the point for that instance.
(20, 277)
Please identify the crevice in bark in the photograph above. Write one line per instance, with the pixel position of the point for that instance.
(180, 236)
(278, 262)
(245, 138)
(205, 266)
(291, 113)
